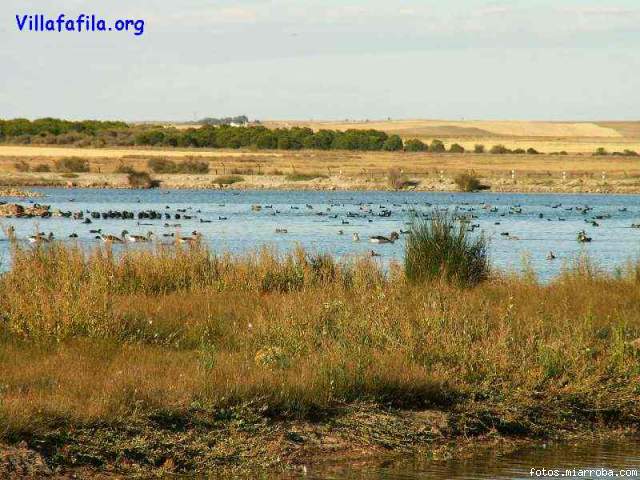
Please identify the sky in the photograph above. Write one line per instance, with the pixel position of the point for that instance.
(327, 59)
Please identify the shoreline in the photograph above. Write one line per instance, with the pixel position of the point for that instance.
(18, 184)
(244, 441)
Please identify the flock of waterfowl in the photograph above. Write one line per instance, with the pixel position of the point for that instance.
(346, 216)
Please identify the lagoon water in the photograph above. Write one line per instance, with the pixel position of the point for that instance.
(536, 223)
(590, 459)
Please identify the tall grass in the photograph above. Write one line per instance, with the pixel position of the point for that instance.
(442, 248)
(107, 337)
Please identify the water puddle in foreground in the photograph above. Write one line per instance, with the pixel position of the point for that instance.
(590, 459)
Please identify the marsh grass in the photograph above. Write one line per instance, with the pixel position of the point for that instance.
(228, 180)
(304, 177)
(442, 248)
(104, 337)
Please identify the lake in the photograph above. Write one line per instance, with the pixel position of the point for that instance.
(324, 221)
(590, 459)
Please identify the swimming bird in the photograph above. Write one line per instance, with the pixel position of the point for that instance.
(374, 254)
(281, 230)
(192, 240)
(582, 237)
(138, 238)
(40, 237)
(355, 237)
(113, 238)
(381, 239)
(551, 256)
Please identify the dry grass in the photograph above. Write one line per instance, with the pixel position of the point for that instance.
(102, 338)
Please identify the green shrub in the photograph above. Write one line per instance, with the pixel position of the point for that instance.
(71, 165)
(467, 182)
(441, 248)
(415, 145)
(532, 151)
(392, 144)
(478, 148)
(456, 148)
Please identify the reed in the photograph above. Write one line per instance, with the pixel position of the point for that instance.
(442, 248)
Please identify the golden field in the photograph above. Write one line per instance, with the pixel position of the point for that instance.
(340, 170)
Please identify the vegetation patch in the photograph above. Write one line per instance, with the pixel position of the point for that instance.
(227, 180)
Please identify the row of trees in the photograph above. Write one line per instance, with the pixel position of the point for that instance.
(53, 126)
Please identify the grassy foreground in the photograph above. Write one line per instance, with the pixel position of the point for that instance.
(179, 360)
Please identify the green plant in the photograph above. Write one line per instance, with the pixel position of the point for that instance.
(478, 148)
(442, 248)
(303, 177)
(456, 148)
(415, 145)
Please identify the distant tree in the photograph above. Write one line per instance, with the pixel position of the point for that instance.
(415, 145)
(519, 151)
(601, 151)
(456, 148)
(478, 148)
(392, 144)
(437, 146)
(499, 150)
(532, 151)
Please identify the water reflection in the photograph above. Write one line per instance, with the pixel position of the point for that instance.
(620, 457)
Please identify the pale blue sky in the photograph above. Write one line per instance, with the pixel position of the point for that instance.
(527, 59)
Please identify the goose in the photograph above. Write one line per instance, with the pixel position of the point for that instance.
(193, 239)
(380, 239)
(138, 238)
(113, 238)
(41, 238)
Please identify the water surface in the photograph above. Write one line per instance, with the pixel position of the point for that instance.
(325, 221)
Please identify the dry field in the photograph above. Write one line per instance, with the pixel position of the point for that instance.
(336, 169)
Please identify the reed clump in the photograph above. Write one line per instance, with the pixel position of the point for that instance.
(442, 248)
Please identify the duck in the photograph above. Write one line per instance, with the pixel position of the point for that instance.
(355, 237)
(114, 238)
(551, 255)
(582, 237)
(374, 254)
(138, 238)
(282, 230)
(381, 239)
